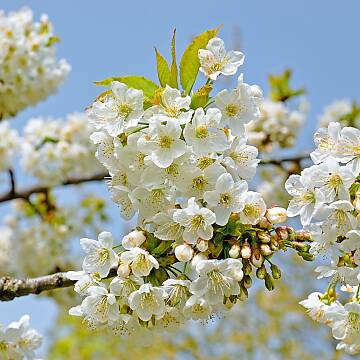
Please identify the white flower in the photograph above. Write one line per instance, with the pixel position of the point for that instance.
(215, 60)
(305, 198)
(254, 208)
(196, 221)
(26, 338)
(345, 323)
(119, 110)
(316, 308)
(226, 198)
(9, 145)
(100, 305)
(197, 308)
(148, 301)
(334, 112)
(184, 253)
(100, 257)
(166, 228)
(203, 133)
(178, 292)
(170, 320)
(241, 159)
(133, 239)
(162, 144)
(217, 278)
(140, 261)
(122, 288)
(172, 105)
(239, 106)
(83, 281)
(127, 202)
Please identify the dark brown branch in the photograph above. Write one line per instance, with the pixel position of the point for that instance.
(26, 193)
(11, 288)
(295, 159)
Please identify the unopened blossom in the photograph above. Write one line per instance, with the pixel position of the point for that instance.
(133, 239)
(276, 215)
(119, 110)
(139, 260)
(148, 301)
(226, 198)
(184, 253)
(214, 60)
(196, 220)
(100, 257)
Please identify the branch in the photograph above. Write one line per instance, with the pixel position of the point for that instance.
(26, 193)
(296, 159)
(11, 288)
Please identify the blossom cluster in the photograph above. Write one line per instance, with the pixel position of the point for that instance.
(19, 341)
(326, 197)
(278, 125)
(29, 71)
(201, 233)
(54, 150)
(9, 145)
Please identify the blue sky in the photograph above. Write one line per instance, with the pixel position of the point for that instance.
(318, 39)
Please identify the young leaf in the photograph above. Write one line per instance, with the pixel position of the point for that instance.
(174, 71)
(162, 69)
(189, 63)
(135, 82)
(201, 97)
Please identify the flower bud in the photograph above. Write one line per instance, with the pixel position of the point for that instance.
(123, 270)
(237, 274)
(306, 256)
(275, 271)
(264, 223)
(133, 239)
(268, 282)
(264, 237)
(202, 245)
(282, 232)
(247, 281)
(246, 251)
(247, 269)
(303, 235)
(234, 251)
(265, 250)
(184, 253)
(261, 272)
(276, 215)
(256, 258)
(244, 294)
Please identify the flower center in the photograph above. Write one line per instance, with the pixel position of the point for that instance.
(232, 110)
(172, 111)
(165, 142)
(102, 306)
(197, 221)
(215, 67)
(334, 181)
(124, 110)
(142, 263)
(177, 295)
(100, 256)
(199, 183)
(202, 132)
(251, 210)
(204, 162)
(225, 199)
(173, 170)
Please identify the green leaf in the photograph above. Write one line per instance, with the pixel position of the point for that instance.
(189, 63)
(162, 69)
(162, 248)
(201, 97)
(174, 70)
(135, 82)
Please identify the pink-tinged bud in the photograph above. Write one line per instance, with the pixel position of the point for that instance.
(197, 258)
(264, 237)
(265, 250)
(246, 251)
(282, 232)
(133, 239)
(184, 253)
(123, 270)
(257, 259)
(202, 245)
(234, 251)
(276, 215)
(303, 235)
